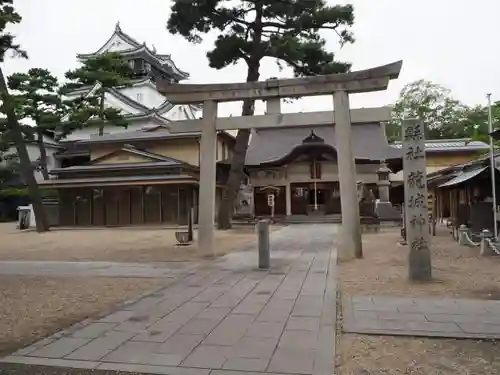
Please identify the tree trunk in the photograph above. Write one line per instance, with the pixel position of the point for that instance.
(43, 155)
(101, 113)
(226, 208)
(24, 159)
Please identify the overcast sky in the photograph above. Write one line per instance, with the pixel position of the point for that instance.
(451, 42)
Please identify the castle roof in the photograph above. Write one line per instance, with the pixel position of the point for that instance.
(129, 47)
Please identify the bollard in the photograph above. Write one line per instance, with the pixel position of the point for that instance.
(264, 245)
(190, 224)
(462, 235)
(486, 249)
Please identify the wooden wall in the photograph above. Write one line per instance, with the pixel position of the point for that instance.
(127, 205)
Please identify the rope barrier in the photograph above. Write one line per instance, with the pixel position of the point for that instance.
(492, 244)
(472, 243)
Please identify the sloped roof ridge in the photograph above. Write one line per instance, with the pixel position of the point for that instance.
(165, 59)
(152, 154)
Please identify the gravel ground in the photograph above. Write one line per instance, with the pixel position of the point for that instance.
(114, 245)
(458, 271)
(35, 307)
(385, 355)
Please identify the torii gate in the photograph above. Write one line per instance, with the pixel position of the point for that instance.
(338, 85)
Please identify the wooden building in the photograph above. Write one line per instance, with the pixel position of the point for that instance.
(298, 166)
(441, 155)
(462, 185)
(133, 178)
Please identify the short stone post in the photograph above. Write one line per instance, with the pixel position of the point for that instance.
(264, 244)
(486, 237)
(190, 224)
(462, 235)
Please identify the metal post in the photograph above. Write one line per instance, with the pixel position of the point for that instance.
(492, 166)
(190, 224)
(264, 245)
(315, 186)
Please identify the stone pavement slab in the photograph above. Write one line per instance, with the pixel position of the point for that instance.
(432, 317)
(226, 319)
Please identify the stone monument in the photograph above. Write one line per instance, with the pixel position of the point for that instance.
(366, 201)
(416, 211)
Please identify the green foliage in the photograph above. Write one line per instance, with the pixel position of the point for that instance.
(14, 192)
(289, 31)
(444, 117)
(11, 183)
(109, 70)
(36, 97)
(8, 16)
(286, 30)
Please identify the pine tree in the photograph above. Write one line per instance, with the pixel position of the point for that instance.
(9, 16)
(36, 97)
(289, 31)
(108, 70)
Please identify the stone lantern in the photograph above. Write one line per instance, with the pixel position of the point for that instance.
(383, 182)
(383, 207)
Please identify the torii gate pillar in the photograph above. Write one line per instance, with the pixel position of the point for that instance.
(208, 176)
(351, 232)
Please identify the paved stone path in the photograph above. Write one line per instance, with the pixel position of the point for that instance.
(94, 269)
(230, 319)
(432, 317)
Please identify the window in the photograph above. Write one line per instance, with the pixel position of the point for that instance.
(139, 65)
(139, 97)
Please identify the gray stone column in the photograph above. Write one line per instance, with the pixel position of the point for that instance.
(207, 178)
(288, 191)
(351, 230)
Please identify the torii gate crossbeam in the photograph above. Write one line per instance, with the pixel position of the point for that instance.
(339, 85)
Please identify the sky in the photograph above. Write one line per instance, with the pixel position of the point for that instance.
(449, 42)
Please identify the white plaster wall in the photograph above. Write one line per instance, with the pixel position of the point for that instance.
(144, 94)
(177, 113)
(115, 44)
(114, 102)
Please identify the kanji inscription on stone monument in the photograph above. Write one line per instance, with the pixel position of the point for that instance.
(416, 211)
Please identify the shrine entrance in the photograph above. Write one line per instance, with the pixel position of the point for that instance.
(340, 86)
(322, 198)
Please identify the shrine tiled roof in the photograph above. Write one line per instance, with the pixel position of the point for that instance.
(463, 144)
(271, 145)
